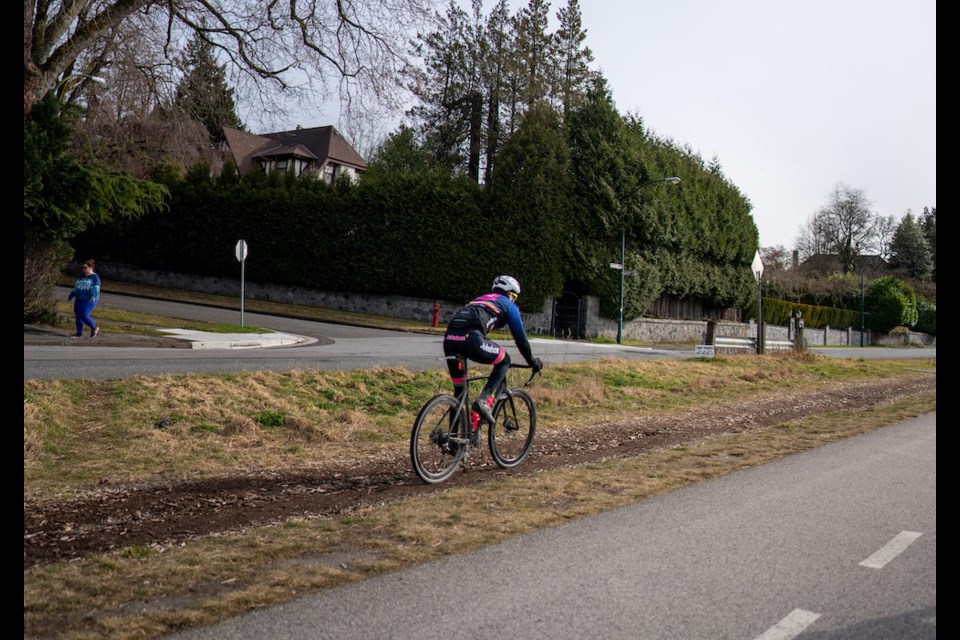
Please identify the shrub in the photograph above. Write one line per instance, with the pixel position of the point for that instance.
(926, 317)
(891, 302)
(43, 261)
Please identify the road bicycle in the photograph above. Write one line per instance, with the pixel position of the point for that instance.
(446, 428)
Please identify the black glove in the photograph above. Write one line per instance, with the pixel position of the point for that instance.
(536, 365)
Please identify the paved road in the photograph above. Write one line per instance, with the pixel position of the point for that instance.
(839, 542)
(333, 347)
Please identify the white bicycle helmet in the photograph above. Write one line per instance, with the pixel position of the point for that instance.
(506, 284)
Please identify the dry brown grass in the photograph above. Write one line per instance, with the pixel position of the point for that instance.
(166, 427)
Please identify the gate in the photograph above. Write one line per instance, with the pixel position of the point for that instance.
(569, 316)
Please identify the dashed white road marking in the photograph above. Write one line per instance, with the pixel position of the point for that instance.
(890, 550)
(790, 626)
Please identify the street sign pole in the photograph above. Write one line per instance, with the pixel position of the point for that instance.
(623, 268)
(241, 251)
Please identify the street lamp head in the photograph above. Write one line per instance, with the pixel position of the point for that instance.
(670, 180)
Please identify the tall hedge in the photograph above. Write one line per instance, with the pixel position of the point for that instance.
(560, 198)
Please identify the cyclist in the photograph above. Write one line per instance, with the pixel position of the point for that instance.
(466, 337)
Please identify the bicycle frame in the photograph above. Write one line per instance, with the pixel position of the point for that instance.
(443, 432)
(463, 401)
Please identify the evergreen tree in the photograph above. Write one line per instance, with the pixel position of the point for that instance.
(573, 57)
(928, 222)
(605, 170)
(62, 197)
(400, 153)
(495, 62)
(911, 253)
(530, 202)
(534, 52)
(203, 94)
(447, 85)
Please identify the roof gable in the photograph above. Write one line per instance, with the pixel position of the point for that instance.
(317, 145)
(325, 143)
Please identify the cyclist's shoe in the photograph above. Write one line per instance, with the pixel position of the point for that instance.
(483, 407)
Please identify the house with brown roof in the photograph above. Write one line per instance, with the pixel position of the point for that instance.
(318, 151)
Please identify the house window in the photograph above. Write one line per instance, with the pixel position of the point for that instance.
(281, 165)
(328, 174)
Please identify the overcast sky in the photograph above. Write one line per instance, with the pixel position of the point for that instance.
(791, 98)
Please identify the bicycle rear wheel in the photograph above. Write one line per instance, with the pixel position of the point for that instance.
(513, 430)
(439, 439)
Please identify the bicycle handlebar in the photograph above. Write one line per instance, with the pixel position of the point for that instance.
(533, 374)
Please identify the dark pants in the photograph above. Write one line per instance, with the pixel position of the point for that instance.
(459, 346)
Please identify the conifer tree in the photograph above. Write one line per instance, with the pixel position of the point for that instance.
(534, 52)
(910, 249)
(928, 222)
(496, 58)
(573, 57)
(203, 94)
(447, 87)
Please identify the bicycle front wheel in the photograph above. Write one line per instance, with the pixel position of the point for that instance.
(439, 439)
(513, 429)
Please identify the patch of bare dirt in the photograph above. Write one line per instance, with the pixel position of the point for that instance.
(118, 517)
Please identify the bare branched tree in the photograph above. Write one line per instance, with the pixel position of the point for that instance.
(844, 227)
(775, 258)
(306, 50)
(886, 228)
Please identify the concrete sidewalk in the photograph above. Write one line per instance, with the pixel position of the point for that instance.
(207, 340)
(37, 335)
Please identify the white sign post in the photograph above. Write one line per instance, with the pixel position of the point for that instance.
(241, 252)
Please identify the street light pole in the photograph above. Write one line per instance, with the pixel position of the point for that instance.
(861, 307)
(757, 268)
(623, 269)
(623, 255)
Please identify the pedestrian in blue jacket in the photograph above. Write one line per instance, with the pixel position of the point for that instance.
(85, 295)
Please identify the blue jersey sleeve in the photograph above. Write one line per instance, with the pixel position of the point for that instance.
(515, 323)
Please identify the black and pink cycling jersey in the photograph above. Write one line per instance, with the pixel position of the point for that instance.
(466, 337)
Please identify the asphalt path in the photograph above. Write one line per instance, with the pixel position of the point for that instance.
(334, 347)
(839, 542)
